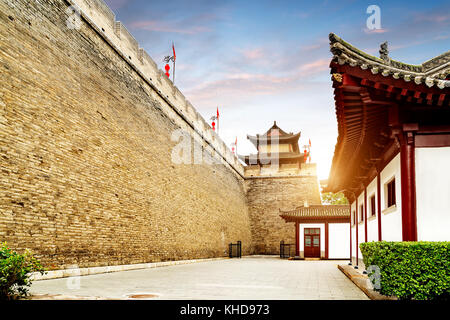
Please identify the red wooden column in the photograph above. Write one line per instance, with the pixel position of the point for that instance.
(326, 240)
(408, 182)
(365, 214)
(356, 227)
(379, 204)
(297, 244)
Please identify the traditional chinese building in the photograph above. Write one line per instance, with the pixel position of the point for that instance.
(321, 231)
(277, 177)
(277, 150)
(393, 150)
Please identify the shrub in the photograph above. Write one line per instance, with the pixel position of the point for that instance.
(15, 272)
(410, 270)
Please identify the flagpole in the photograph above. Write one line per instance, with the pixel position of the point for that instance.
(173, 72)
(174, 58)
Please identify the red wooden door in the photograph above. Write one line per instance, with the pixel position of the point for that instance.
(312, 242)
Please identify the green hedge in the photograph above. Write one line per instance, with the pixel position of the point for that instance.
(410, 270)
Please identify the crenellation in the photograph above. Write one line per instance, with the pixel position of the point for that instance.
(148, 60)
(125, 42)
(117, 28)
(105, 17)
(179, 96)
(128, 43)
(140, 55)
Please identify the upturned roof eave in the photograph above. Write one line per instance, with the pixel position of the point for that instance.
(432, 72)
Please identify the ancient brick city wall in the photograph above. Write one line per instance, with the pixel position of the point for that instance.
(267, 195)
(86, 121)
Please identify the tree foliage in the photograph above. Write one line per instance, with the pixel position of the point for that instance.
(15, 271)
(334, 198)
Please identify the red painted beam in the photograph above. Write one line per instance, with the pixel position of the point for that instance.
(365, 82)
(348, 80)
(297, 244)
(441, 99)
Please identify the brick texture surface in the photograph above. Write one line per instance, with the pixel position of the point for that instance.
(85, 148)
(265, 197)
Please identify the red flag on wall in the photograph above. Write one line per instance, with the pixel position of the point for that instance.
(217, 112)
(310, 142)
(174, 56)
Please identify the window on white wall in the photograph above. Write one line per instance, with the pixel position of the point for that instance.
(372, 206)
(361, 213)
(353, 217)
(390, 193)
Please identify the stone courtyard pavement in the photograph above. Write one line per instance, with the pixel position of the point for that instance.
(252, 277)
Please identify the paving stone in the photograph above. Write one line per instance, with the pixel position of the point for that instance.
(246, 278)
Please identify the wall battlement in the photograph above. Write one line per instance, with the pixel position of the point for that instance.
(102, 18)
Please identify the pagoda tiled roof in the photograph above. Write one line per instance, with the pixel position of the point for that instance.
(269, 134)
(316, 212)
(433, 72)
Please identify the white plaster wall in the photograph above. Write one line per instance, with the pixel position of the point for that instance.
(302, 237)
(353, 240)
(354, 248)
(391, 220)
(433, 194)
(372, 222)
(360, 238)
(338, 241)
(361, 231)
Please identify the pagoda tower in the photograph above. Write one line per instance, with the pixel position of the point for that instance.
(277, 150)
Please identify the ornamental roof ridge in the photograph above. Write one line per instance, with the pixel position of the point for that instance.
(338, 210)
(431, 72)
(267, 134)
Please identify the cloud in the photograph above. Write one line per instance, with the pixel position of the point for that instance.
(235, 87)
(252, 54)
(381, 30)
(164, 26)
(435, 17)
(314, 67)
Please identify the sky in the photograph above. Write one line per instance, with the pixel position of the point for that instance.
(264, 61)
